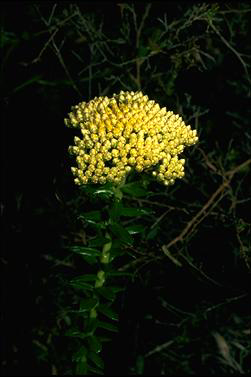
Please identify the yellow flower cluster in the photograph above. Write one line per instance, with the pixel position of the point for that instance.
(127, 131)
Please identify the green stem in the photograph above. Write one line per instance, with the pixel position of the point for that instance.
(105, 259)
(100, 280)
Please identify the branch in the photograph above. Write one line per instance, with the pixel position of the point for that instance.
(231, 48)
(202, 212)
(138, 34)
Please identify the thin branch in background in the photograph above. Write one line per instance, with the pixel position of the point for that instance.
(225, 302)
(52, 14)
(137, 79)
(158, 204)
(46, 45)
(237, 54)
(235, 11)
(53, 31)
(61, 60)
(160, 219)
(207, 161)
(159, 348)
(201, 214)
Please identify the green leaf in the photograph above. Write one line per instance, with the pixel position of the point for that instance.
(75, 334)
(90, 260)
(92, 215)
(108, 312)
(133, 229)
(118, 210)
(117, 289)
(97, 360)
(107, 293)
(104, 191)
(80, 354)
(143, 51)
(152, 233)
(85, 277)
(91, 325)
(87, 304)
(81, 286)
(87, 251)
(121, 233)
(116, 252)
(107, 326)
(94, 343)
(95, 370)
(134, 189)
(98, 241)
(115, 211)
(81, 368)
(93, 188)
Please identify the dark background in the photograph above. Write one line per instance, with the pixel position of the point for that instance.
(37, 189)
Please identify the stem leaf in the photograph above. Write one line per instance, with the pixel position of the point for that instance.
(108, 312)
(121, 233)
(133, 229)
(87, 304)
(86, 251)
(94, 343)
(96, 359)
(107, 293)
(107, 326)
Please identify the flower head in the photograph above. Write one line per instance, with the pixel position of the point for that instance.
(124, 132)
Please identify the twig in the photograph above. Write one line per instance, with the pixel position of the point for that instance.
(230, 47)
(138, 35)
(37, 59)
(195, 220)
(208, 163)
(156, 204)
(159, 348)
(160, 218)
(235, 11)
(227, 301)
(49, 30)
(61, 60)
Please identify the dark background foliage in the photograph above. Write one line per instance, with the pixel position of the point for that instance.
(54, 56)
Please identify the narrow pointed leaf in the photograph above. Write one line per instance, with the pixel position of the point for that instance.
(96, 359)
(121, 233)
(90, 260)
(108, 312)
(107, 326)
(98, 241)
(81, 285)
(86, 251)
(94, 343)
(80, 354)
(134, 189)
(92, 216)
(134, 229)
(107, 293)
(84, 278)
(95, 370)
(87, 304)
